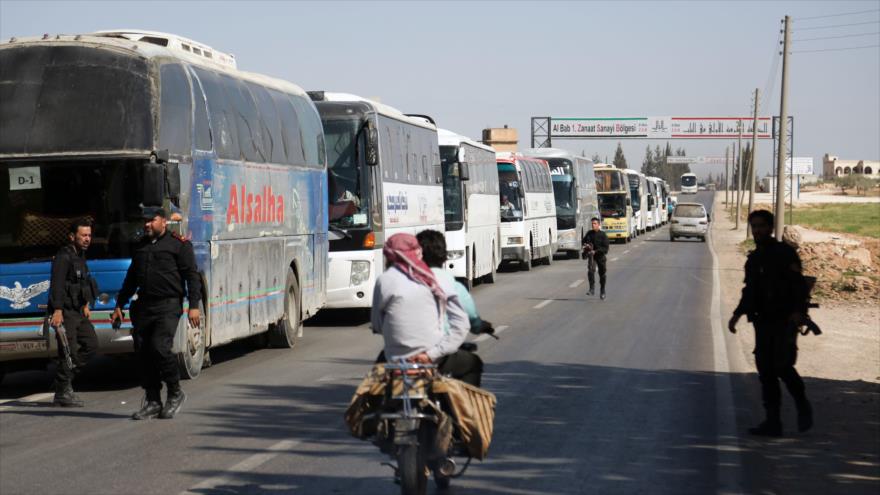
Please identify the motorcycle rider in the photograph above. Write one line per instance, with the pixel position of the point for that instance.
(410, 305)
(433, 244)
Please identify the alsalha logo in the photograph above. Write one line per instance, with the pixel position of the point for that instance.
(245, 207)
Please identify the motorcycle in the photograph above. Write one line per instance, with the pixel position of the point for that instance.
(415, 427)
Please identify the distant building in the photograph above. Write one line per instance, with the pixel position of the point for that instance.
(501, 138)
(833, 166)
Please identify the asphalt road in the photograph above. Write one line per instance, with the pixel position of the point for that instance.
(627, 395)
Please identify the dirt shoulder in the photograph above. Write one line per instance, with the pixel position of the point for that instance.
(849, 349)
(841, 370)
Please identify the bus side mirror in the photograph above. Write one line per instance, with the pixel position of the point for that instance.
(372, 150)
(464, 172)
(172, 179)
(154, 183)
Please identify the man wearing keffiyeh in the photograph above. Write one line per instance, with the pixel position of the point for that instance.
(409, 308)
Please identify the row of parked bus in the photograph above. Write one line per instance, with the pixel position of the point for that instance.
(287, 196)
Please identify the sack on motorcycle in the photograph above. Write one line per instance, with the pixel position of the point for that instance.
(367, 400)
(474, 412)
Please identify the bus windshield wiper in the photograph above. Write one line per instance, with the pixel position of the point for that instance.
(344, 233)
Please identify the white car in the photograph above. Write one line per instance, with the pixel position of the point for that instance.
(689, 220)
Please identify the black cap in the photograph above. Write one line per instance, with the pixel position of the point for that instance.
(151, 212)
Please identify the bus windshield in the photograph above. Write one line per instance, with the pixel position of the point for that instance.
(452, 194)
(40, 212)
(612, 205)
(349, 206)
(689, 180)
(634, 182)
(563, 190)
(511, 194)
(609, 180)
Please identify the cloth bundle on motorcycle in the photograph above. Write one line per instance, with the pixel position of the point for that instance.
(472, 409)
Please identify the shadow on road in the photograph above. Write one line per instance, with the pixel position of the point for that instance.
(566, 428)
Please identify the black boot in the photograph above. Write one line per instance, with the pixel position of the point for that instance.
(602, 293)
(592, 291)
(805, 415)
(772, 426)
(151, 407)
(65, 397)
(767, 429)
(173, 403)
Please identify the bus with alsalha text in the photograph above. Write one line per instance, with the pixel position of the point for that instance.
(103, 125)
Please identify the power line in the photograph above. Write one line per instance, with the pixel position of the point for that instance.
(838, 25)
(836, 15)
(836, 49)
(836, 37)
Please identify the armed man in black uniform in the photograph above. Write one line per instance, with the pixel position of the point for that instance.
(775, 299)
(160, 267)
(596, 247)
(72, 289)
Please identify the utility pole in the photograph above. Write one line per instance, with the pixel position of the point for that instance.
(739, 179)
(726, 176)
(783, 131)
(752, 162)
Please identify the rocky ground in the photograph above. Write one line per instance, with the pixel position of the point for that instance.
(847, 269)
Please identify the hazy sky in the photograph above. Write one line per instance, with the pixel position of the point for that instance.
(477, 64)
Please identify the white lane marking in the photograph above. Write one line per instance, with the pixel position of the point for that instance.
(28, 398)
(729, 460)
(576, 283)
(247, 465)
(498, 330)
(542, 304)
(614, 259)
(625, 252)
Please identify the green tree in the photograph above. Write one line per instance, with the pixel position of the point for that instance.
(845, 182)
(648, 167)
(619, 159)
(596, 158)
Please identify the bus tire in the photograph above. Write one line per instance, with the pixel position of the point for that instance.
(284, 332)
(191, 357)
(490, 277)
(526, 263)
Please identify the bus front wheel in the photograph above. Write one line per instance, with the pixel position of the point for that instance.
(285, 331)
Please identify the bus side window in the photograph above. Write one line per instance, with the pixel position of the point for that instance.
(175, 111)
(223, 132)
(270, 123)
(311, 132)
(202, 132)
(290, 133)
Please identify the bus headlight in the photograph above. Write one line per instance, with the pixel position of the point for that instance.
(455, 254)
(514, 240)
(360, 272)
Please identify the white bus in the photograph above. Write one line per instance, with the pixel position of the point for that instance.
(574, 191)
(384, 178)
(664, 207)
(651, 204)
(471, 204)
(528, 213)
(639, 195)
(688, 183)
(657, 203)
